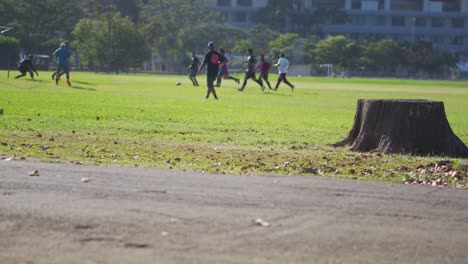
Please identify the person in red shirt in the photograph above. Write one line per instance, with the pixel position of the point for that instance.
(264, 67)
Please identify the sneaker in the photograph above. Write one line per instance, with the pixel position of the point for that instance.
(237, 81)
(240, 89)
(263, 88)
(69, 83)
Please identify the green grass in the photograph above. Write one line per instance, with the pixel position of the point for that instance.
(146, 120)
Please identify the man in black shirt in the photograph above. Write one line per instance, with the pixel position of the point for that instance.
(26, 66)
(213, 59)
(250, 72)
(193, 68)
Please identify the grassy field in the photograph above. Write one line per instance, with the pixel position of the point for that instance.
(146, 120)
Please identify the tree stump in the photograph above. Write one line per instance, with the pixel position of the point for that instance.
(418, 127)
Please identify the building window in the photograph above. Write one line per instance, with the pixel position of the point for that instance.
(405, 5)
(358, 20)
(377, 20)
(420, 22)
(437, 22)
(438, 41)
(398, 21)
(240, 17)
(224, 3)
(356, 4)
(458, 23)
(456, 41)
(244, 3)
(329, 3)
(451, 6)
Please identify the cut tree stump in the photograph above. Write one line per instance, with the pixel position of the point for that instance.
(418, 127)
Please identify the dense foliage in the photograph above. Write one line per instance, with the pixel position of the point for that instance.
(121, 34)
(8, 47)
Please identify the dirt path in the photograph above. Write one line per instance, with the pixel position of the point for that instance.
(126, 215)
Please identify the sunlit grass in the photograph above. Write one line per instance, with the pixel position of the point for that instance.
(147, 120)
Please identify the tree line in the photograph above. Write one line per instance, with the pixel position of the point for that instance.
(120, 34)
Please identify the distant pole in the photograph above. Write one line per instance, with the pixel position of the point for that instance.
(412, 30)
(4, 30)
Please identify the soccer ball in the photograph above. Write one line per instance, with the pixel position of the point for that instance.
(177, 83)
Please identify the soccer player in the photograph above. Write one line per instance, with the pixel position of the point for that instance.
(283, 66)
(212, 59)
(61, 73)
(193, 67)
(264, 67)
(250, 72)
(223, 72)
(62, 56)
(25, 66)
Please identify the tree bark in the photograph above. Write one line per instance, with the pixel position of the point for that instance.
(418, 127)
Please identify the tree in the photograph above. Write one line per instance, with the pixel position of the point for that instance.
(382, 55)
(86, 42)
(290, 44)
(169, 26)
(9, 47)
(331, 50)
(421, 56)
(417, 127)
(115, 42)
(42, 24)
(276, 14)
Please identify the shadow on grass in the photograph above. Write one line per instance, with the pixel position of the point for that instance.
(30, 80)
(85, 83)
(276, 93)
(83, 88)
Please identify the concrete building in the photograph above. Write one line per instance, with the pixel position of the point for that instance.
(442, 22)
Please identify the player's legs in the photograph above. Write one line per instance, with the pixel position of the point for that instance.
(222, 72)
(280, 79)
(229, 77)
(259, 81)
(264, 76)
(67, 72)
(210, 79)
(23, 72)
(246, 77)
(287, 82)
(57, 74)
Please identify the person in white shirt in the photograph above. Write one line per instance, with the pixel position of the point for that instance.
(283, 66)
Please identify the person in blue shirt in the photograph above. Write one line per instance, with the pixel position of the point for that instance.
(62, 56)
(61, 73)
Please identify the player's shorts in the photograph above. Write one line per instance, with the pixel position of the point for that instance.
(24, 70)
(62, 68)
(223, 71)
(249, 74)
(193, 72)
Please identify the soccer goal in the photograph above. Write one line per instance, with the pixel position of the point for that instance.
(329, 69)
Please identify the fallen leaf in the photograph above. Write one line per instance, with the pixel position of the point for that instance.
(34, 173)
(10, 158)
(84, 179)
(261, 222)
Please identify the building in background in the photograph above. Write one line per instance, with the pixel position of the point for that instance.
(442, 22)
